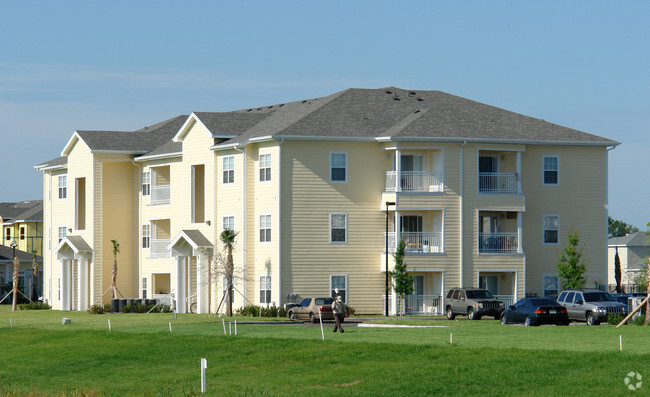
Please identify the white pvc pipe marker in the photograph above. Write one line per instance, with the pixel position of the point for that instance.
(109, 324)
(204, 366)
(620, 342)
(321, 325)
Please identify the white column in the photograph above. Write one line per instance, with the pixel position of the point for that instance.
(180, 284)
(398, 170)
(519, 172)
(520, 247)
(202, 284)
(65, 284)
(82, 284)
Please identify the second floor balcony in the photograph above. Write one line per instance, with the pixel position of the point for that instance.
(160, 194)
(416, 242)
(414, 181)
(158, 248)
(498, 243)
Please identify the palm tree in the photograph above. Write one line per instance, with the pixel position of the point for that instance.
(15, 280)
(116, 250)
(35, 279)
(228, 239)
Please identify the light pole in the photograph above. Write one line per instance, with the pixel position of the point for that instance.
(15, 277)
(13, 246)
(386, 300)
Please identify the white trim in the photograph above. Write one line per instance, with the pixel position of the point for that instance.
(346, 227)
(329, 170)
(259, 166)
(558, 229)
(158, 156)
(223, 169)
(227, 216)
(259, 227)
(559, 281)
(347, 285)
(555, 156)
(503, 141)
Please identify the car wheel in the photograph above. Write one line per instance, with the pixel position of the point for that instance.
(591, 320)
(312, 318)
(471, 315)
(450, 314)
(292, 315)
(503, 320)
(528, 322)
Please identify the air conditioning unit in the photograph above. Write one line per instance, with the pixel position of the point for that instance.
(633, 302)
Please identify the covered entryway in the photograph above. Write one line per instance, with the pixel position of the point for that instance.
(75, 256)
(502, 284)
(191, 247)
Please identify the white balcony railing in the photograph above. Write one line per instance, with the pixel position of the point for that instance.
(160, 194)
(498, 243)
(498, 182)
(417, 242)
(508, 300)
(423, 305)
(414, 181)
(158, 249)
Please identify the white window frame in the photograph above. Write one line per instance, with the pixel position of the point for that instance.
(346, 289)
(268, 237)
(557, 278)
(544, 216)
(63, 187)
(345, 167)
(557, 169)
(228, 164)
(144, 288)
(265, 281)
(265, 167)
(146, 236)
(146, 183)
(331, 228)
(228, 222)
(63, 232)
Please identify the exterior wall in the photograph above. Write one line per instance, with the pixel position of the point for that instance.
(33, 236)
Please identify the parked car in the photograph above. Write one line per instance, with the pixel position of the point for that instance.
(473, 302)
(311, 309)
(592, 306)
(535, 311)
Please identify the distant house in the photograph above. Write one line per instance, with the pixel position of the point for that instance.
(23, 221)
(632, 251)
(320, 191)
(25, 272)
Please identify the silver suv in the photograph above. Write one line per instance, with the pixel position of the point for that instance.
(474, 302)
(590, 305)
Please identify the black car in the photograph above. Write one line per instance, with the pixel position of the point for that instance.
(535, 311)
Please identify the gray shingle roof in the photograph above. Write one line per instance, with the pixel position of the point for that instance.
(638, 239)
(79, 243)
(12, 210)
(63, 160)
(6, 255)
(198, 238)
(33, 214)
(395, 113)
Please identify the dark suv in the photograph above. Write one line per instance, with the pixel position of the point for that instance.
(473, 302)
(592, 306)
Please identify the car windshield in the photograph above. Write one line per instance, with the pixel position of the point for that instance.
(324, 301)
(479, 294)
(598, 297)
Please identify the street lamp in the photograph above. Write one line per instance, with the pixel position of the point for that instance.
(13, 246)
(386, 300)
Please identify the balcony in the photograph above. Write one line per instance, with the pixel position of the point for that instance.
(160, 194)
(158, 249)
(498, 182)
(498, 243)
(414, 181)
(417, 242)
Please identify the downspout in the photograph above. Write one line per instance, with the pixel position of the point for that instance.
(461, 213)
(244, 214)
(280, 224)
(138, 220)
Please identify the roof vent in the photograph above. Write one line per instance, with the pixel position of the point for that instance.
(282, 104)
(389, 92)
(364, 116)
(420, 99)
(304, 101)
(417, 111)
(271, 107)
(249, 110)
(395, 98)
(411, 93)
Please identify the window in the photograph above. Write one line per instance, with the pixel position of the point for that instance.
(551, 227)
(229, 169)
(228, 223)
(63, 186)
(80, 203)
(339, 286)
(265, 167)
(146, 183)
(63, 231)
(7, 234)
(338, 228)
(144, 288)
(265, 228)
(338, 166)
(265, 289)
(198, 193)
(146, 236)
(22, 232)
(551, 170)
(550, 286)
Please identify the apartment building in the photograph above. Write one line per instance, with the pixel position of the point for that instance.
(319, 192)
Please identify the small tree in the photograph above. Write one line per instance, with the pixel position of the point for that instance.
(116, 250)
(402, 279)
(15, 286)
(35, 278)
(570, 266)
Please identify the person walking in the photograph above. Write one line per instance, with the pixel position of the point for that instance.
(340, 309)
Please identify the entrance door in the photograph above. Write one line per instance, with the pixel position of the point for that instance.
(418, 291)
(411, 231)
(411, 178)
(488, 165)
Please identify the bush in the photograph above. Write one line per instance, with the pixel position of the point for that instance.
(639, 320)
(96, 309)
(34, 306)
(614, 318)
(254, 311)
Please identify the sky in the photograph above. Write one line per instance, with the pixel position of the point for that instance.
(123, 65)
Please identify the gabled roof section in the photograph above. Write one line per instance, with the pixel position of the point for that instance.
(10, 211)
(33, 214)
(223, 125)
(76, 243)
(194, 238)
(140, 141)
(396, 114)
(638, 239)
(57, 163)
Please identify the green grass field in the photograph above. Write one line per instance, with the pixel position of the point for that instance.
(140, 356)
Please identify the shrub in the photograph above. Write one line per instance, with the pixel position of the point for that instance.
(614, 318)
(248, 311)
(163, 308)
(126, 309)
(34, 306)
(254, 311)
(97, 309)
(639, 320)
(140, 308)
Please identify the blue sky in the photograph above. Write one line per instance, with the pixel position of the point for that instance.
(67, 66)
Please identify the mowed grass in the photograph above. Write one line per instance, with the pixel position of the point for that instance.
(140, 356)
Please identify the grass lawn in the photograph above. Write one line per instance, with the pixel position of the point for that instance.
(139, 356)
